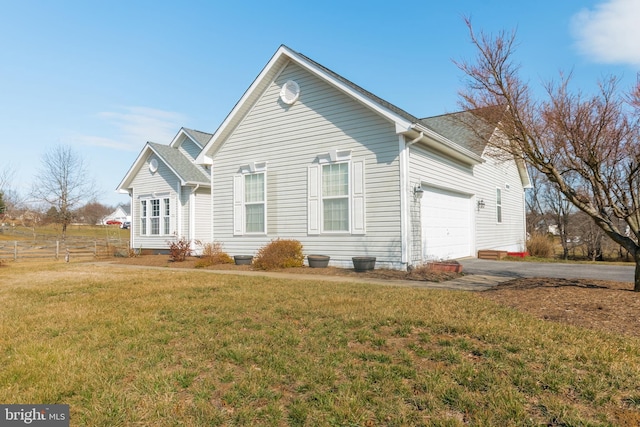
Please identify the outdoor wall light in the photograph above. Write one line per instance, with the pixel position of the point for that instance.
(418, 191)
(480, 204)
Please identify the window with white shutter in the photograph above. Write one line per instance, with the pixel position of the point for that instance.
(336, 197)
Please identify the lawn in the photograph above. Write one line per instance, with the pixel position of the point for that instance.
(127, 346)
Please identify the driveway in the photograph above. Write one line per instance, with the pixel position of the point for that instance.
(617, 273)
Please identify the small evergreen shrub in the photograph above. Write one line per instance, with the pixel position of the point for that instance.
(180, 250)
(212, 254)
(540, 246)
(279, 253)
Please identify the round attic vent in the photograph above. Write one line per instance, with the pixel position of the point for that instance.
(153, 165)
(290, 92)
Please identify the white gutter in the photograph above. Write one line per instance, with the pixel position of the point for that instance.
(447, 143)
(416, 139)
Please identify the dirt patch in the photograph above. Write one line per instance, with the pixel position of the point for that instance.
(600, 305)
(419, 274)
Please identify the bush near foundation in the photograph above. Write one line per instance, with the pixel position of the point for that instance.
(180, 250)
(540, 246)
(279, 253)
(212, 254)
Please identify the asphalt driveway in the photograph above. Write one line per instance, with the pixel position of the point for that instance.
(514, 269)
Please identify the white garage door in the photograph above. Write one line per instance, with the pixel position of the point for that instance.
(446, 224)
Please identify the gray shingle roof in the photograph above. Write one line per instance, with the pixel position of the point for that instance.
(454, 126)
(201, 137)
(465, 128)
(186, 170)
(378, 100)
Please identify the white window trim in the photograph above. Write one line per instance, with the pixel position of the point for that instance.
(356, 189)
(161, 198)
(499, 204)
(347, 196)
(239, 204)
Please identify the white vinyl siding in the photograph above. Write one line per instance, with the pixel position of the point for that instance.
(291, 140)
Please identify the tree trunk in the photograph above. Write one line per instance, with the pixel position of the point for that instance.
(636, 286)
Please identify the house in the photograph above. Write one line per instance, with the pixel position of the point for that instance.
(170, 193)
(306, 154)
(120, 215)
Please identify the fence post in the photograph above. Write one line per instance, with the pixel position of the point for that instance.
(15, 250)
(95, 248)
(57, 249)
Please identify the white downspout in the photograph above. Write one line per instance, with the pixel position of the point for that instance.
(405, 215)
(413, 141)
(211, 208)
(179, 209)
(192, 213)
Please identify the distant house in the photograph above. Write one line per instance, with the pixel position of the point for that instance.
(121, 214)
(307, 154)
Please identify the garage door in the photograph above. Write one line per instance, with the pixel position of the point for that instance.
(446, 224)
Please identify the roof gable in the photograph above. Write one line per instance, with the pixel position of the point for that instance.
(198, 137)
(188, 172)
(274, 67)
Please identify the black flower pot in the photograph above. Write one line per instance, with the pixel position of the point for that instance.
(243, 259)
(318, 261)
(364, 263)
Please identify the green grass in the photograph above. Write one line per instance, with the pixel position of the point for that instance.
(54, 232)
(146, 347)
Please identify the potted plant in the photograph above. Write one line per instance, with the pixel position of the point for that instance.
(243, 259)
(363, 263)
(318, 261)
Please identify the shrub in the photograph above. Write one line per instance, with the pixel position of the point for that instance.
(540, 246)
(279, 253)
(212, 254)
(180, 250)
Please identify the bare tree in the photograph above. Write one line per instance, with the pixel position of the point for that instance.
(560, 210)
(93, 212)
(588, 146)
(62, 182)
(6, 176)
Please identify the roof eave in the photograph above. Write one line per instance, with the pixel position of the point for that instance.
(445, 145)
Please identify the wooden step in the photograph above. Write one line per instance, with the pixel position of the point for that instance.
(491, 254)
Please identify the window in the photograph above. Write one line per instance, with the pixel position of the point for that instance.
(250, 201)
(498, 205)
(166, 217)
(143, 217)
(254, 203)
(155, 217)
(335, 197)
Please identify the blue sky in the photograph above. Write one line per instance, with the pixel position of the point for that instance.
(106, 77)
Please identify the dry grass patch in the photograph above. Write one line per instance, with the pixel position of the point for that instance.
(181, 347)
